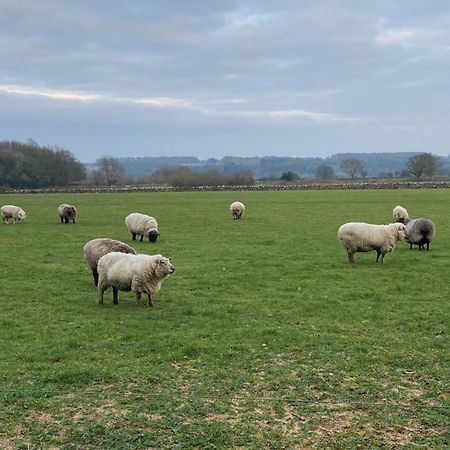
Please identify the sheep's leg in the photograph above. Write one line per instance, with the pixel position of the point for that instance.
(115, 295)
(101, 290)
(95, 276)
(150, 301)
(142, 237)
(62, 220)
(382, 258)
(138, 298)
(351, 258)
(133, 236)
(410, 246)
(378, 255)
(428, 246)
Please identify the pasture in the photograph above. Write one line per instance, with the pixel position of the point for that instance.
(264, 337)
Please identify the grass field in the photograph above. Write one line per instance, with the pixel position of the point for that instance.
(265, 336)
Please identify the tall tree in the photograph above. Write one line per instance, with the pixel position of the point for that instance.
(353, 167)
(423, 165)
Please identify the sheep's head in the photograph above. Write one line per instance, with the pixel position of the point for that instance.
(163, 266)
(153, 235)
(402, 232)
(21, 215)
(70, 211)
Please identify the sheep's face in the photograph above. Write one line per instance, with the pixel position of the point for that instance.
(70, 211)
(153, 235)
(164, 266)
(21, 215)
(402, 232)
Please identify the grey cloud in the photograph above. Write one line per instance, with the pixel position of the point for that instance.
(311, 72)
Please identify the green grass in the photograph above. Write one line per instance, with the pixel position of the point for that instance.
(265, 337)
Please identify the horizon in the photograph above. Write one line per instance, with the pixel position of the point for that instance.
(236, 78)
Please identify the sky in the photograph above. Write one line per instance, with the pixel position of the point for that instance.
(211, 78)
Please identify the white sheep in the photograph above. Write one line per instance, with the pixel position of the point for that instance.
(12, 212)
(128, 272)
(142, 225)
(67, 213)
(363, 237)
(400, 214)
(237, 209)
(96, 248)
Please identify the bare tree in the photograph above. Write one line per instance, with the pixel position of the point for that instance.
(353, 167)
(423, 165)
(110, 169)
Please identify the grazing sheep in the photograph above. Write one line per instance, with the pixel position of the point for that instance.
(363, 237)
(420, 232)
(12, 212)
(400, 214)
(67, 213)
(142, 225)
(137, 273)
(237, 209)
(96, 248)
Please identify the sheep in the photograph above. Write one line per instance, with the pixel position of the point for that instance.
(400, 214)
(143, 225)
(363, 237)
(12, 212)
(96, 248)
(420, 232)
(137, 273)
(67, 213)
(237, 209)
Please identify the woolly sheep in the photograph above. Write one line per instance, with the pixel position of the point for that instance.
(12, 212)
(420, 232)
(400, 214)
(237, 209)
(363, 237)
(96, 248)
(67, 213)
(142, 225)
(137, 273)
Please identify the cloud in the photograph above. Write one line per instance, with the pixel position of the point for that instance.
(60, 95)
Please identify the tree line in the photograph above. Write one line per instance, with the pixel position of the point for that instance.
(31, 166)
(28, 165)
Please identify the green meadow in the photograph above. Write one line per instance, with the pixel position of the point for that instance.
(264, 337)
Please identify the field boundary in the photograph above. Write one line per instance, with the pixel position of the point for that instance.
(254, 187)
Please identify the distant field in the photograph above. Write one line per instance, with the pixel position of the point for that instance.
(265, 337)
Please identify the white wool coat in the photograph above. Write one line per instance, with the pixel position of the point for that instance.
(237, 209)
(399, 214)
(12, 212)
(137, 273)
(363, 237)
(141, 224)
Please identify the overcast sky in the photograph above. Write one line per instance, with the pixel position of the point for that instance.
(212, 78)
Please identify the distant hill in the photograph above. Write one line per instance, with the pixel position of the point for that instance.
(376, 164)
